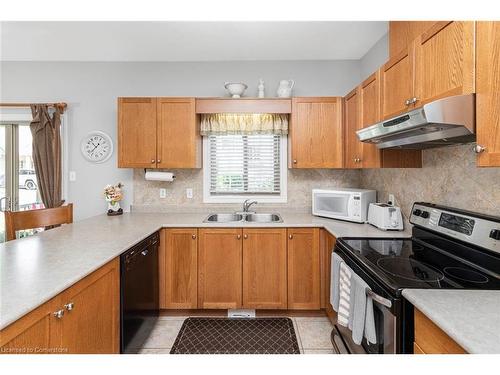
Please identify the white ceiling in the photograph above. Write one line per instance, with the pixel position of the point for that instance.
(187, 41)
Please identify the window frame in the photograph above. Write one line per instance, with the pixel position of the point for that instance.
(239, 198)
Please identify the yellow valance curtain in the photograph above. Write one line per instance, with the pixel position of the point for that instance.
(244, 123)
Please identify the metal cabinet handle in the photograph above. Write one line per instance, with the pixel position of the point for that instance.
(478, 149)
(69, 306)
(245, 236)
(290, 236)
(407, 102)
(414, 100)
(193, 236)
(158, 161)
(294, 161)
(238, 237)
(58, 314)
(152, 161)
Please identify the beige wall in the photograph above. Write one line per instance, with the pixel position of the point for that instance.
(449, 177)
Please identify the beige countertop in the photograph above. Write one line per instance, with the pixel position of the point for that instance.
(37, 268)
(470, 317)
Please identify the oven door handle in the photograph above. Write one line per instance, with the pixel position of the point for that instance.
(383, 301)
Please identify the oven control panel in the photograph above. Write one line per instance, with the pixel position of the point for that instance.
(476, 229)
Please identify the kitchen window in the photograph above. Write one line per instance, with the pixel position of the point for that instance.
(238, 167)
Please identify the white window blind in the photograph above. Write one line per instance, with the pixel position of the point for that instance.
(244, 164)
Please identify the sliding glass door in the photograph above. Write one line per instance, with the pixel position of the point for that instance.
(18, 181)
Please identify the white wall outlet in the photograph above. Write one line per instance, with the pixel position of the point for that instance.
(163, 193)
(189, 193)
(72, 176)
(392, 199)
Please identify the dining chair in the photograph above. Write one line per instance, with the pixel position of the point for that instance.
(46, 217)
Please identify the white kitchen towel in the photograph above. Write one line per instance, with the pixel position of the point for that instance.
(344, 310)
(334, 280)
(361, 319)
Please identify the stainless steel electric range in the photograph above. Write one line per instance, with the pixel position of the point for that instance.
(449, 249)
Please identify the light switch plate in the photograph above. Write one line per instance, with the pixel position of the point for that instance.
(189, 193)
(163, 193)
(72, 176)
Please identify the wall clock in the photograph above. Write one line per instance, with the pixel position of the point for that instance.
(97, 146)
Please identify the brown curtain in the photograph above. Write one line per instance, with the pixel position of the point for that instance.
(46, 134)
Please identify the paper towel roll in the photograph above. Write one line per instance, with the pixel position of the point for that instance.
(159, 176)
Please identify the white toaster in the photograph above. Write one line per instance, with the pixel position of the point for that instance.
(385, 216)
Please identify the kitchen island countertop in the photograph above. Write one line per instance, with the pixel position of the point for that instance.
(35, 269)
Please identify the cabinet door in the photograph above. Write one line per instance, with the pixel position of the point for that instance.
(488, 93)
(316, 134)
(91, 322)
(180, 269)
(353, 147)
(178, 135)
(369, 95)
(219, 268)
(264, 269)
(326, 245)
(396, 78)
(402, 34)
(444, 63)
(136, 132)
(303, 269)
(35, 333)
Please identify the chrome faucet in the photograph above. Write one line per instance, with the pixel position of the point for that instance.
(247, 204)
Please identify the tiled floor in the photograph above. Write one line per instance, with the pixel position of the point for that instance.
(313, 335)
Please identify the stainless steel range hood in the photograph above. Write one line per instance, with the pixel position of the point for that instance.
(443, 122)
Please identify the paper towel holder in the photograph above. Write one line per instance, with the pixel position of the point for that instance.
(146, 169)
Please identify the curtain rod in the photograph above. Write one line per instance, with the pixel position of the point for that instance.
(62, 106)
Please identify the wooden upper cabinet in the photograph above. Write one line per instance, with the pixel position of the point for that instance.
(369, 96)
(353, 148)
(136, 132)
(219, 268)
(264, 268)
(488, 93)
(91, 322)
(179, 268)
(158, 133)
(396, 79)
(402, 34)
(178, 134)
(444, 61)
(304, 269)
(316, 133)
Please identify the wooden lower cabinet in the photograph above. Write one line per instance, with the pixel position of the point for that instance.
(303, 269)
(88, 322)
(91, 322)
(220, 268)
(178, 261)
(264, 268)
(430, 339)
(326, 244)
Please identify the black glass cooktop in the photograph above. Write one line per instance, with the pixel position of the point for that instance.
(412, 263)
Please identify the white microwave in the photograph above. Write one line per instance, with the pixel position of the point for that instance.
(343, 204)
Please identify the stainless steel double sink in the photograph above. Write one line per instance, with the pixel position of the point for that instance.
(249, 218)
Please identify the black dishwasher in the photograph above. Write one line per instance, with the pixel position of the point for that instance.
(139, 295)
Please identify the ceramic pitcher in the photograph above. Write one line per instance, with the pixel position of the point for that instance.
(285, 88)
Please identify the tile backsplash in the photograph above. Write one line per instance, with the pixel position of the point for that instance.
(300, 184)
(449, 177)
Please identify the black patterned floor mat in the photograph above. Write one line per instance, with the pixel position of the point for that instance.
(236, 336)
